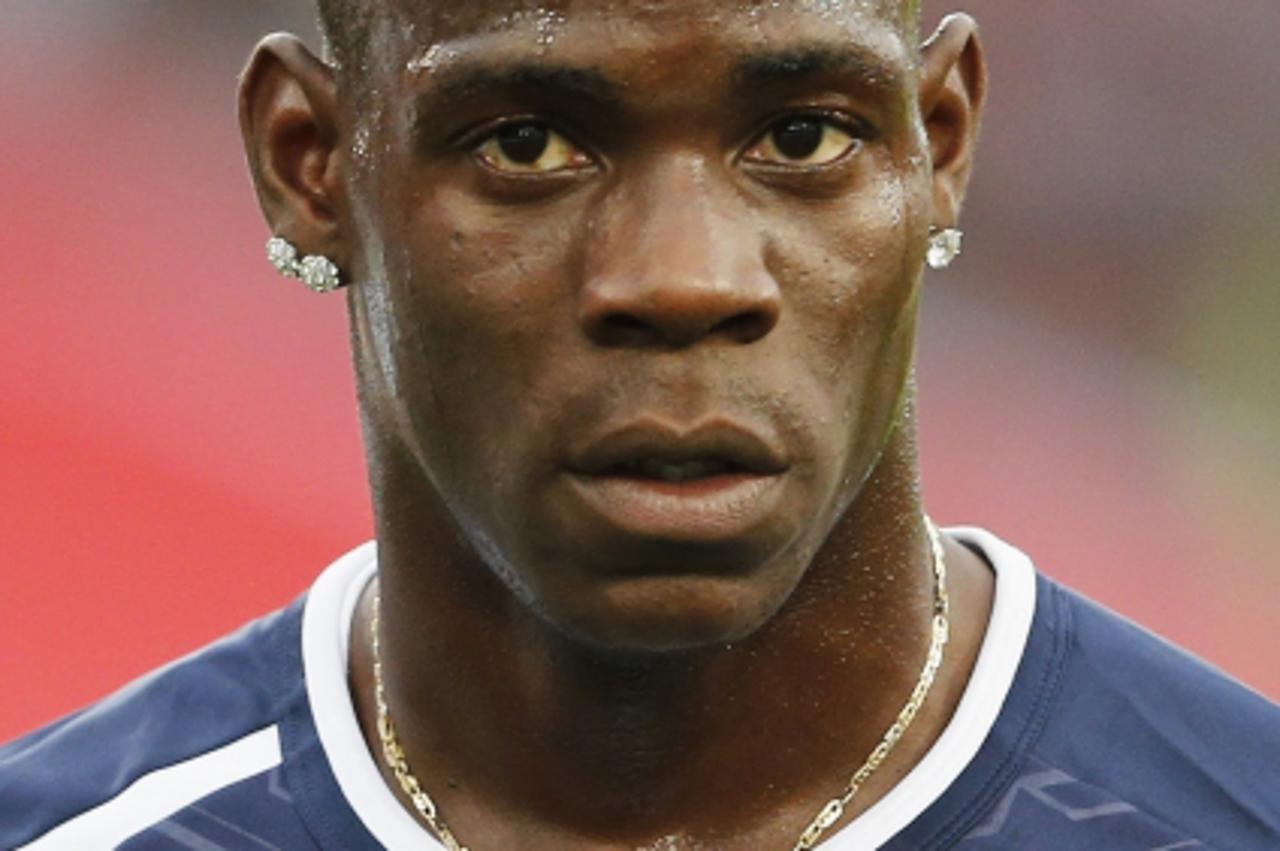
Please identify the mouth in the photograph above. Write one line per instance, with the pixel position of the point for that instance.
(651, 450)
(707, 484)
(675, 471)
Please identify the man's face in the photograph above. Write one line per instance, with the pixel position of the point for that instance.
(637, 291)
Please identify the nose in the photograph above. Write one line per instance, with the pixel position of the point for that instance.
(678, 264)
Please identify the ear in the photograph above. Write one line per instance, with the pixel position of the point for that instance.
(289, 120)
(953, 90)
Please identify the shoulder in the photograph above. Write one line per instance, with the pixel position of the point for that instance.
(186, 731)
(1148, 738)
(1144, 681)
(1107, 737)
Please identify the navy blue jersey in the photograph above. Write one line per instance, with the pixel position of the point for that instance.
(1078, 730)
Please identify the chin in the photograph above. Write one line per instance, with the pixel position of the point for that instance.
(668, 614)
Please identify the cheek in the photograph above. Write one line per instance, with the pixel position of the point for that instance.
(481, 316)
(851, 275)
(850, 279)
(493, 285)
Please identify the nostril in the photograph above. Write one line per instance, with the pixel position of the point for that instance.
(624, 322)
(626, 328)
(745, 327)
(678, 311)
(621, 328)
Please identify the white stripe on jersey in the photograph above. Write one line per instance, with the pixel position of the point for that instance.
(156, 796)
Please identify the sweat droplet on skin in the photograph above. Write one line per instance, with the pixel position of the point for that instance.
(430, 59)
(360, 144)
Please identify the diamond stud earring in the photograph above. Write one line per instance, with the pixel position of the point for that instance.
(317, 273)
(944, 247)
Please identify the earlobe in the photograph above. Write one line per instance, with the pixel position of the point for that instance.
(289, 121)
(953, 85)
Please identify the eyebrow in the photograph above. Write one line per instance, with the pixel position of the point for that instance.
(470, 79)
(460, 81)
(802, 62)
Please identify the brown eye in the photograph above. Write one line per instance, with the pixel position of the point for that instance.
(528, 147)
(803, 140)
(523, 143)
(798, 138)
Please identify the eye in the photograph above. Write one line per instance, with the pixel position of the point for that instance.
(528, 147)
(802, 140)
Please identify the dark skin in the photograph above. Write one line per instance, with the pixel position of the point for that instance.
(679, 220)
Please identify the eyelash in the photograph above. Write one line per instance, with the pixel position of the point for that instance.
(857, 127)
(473, 139)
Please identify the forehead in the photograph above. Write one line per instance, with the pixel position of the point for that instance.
(422, 33)
(466, 15)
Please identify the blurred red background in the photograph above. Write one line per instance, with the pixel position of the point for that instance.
(179, 447)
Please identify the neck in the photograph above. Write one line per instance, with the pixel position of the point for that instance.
(512, 727)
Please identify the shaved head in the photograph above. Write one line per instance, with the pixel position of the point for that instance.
(347, 26)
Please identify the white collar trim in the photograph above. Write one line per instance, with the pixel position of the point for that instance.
(984, 696)
(326, 632)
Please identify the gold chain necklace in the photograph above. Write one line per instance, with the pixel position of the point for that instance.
(396, 760)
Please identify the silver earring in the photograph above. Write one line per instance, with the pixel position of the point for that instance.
(317, 272)
(944, 247)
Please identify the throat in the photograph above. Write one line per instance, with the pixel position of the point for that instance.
(680, 745)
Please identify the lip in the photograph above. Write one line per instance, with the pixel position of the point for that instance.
(718, 439)
(724, 506)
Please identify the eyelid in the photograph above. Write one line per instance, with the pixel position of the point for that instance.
(853, 124)
(481, 144)
(856, 126)
(476, 135)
